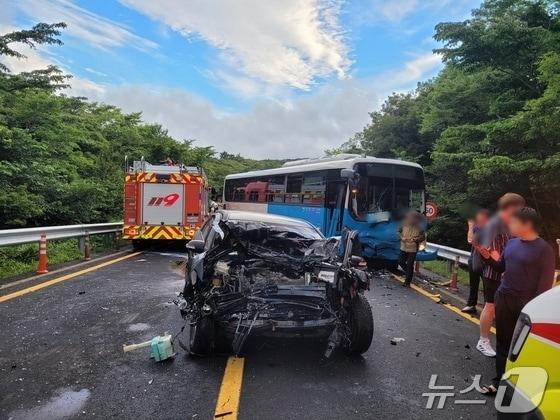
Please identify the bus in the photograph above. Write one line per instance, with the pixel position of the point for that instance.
(363, 193)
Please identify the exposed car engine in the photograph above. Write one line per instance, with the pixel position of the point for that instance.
(267, 279)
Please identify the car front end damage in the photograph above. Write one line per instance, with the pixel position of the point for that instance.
(275, 280)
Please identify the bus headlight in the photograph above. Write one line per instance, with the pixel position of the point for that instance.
(520, 334)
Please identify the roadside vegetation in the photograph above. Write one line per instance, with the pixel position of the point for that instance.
(20, 259)
(488, 123)
(441, 268)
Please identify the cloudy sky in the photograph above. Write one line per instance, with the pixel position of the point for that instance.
(264, 78)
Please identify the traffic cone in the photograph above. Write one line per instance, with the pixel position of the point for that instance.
(42, 268)
(87, 249)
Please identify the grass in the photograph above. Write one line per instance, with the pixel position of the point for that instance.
(21, 259)
(441, 267)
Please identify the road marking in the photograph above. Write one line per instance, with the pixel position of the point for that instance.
(227, 406)
(437, 298)
(63, 278)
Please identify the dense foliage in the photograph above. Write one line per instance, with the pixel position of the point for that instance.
(61, 157)
(489, 122)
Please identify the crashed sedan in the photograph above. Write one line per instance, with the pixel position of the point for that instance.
(252, 273)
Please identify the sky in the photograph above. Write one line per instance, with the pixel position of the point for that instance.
(263, 78)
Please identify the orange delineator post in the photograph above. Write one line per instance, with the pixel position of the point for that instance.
(42, 268)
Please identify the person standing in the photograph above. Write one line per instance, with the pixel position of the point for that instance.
(474, 237)
(495, 236)
(411, 234)
(528, 265)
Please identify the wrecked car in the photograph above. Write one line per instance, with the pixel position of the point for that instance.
(252, 273)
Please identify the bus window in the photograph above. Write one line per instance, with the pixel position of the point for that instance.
(293, 189)
(276, 189)
(313, 189)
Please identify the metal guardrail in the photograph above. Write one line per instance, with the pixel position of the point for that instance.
(28, 235)
(449, 253)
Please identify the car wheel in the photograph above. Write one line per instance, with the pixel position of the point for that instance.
(201, 336)
(360, 322)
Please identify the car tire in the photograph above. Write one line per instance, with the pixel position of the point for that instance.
(360, 322)
(201, 336)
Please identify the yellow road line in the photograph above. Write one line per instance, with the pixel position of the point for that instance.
(227, 406)
(63, 278)
(437, 298)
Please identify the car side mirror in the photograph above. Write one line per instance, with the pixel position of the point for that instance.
(195, 245)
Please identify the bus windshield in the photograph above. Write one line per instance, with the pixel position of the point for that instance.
(387, 187)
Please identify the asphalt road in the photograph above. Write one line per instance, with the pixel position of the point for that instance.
(61, 356)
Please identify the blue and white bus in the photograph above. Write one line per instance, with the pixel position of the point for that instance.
(362, 193)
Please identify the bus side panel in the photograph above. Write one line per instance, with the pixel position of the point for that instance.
(314, 215)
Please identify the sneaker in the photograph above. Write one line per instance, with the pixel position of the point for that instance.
(485, 347)
(469, 309)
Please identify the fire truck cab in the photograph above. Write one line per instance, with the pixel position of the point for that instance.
(163, 202)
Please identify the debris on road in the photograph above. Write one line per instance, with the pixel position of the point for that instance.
(396, 340)
(161, 347)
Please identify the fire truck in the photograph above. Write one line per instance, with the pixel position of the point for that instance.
(167, 201)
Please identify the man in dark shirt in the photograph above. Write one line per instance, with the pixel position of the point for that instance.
(495, 236)
(528, 265)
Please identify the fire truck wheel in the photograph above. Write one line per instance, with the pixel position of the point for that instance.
(139, 244)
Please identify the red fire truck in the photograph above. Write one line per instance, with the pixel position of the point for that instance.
(163, 202)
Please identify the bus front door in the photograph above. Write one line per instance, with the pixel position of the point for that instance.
(334, 206)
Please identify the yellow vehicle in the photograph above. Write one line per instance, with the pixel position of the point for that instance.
(532, 378)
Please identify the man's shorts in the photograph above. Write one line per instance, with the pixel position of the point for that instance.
(489, 287)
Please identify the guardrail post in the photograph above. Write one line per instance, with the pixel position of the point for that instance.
(42, 268)
(87, 249)
(455, 274)
(117, 239)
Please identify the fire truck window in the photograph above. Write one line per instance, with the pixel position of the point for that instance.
(276, 189)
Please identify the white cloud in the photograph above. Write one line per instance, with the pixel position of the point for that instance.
(290, 42)
(301, 126)
(96, 72)
(96, 30)
(394, 10)
(412, 71)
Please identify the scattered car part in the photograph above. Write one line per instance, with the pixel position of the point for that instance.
(161, 347)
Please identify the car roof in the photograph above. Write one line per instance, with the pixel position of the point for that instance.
(250, 216)
(543, 308)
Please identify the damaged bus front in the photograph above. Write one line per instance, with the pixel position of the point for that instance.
(251, 273)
